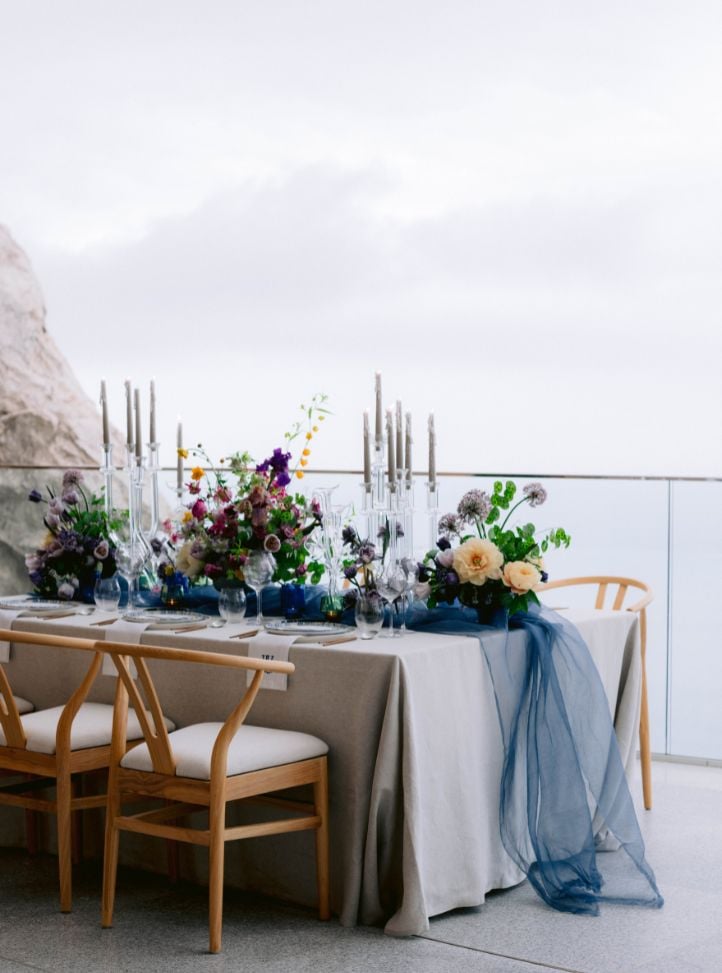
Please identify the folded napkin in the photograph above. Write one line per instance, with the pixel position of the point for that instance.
(122, 631)
(276, 647)
(7, 617)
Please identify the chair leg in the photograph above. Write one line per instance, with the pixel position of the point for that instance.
(644, 747)
(172, 853)
(76, 818)
(110, 854)
(217, 826)
(320, 799)
(63, 800)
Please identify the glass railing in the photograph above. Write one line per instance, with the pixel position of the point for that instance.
(659, 530)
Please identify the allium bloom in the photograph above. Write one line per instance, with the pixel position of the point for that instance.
(56, 506)
(366, 553)
(478, 561)
(72, 478)
(520, 576)
(272, 544)
(536, 494)
(71, 497)
(449, 524)
(474, 505)
(102, 550)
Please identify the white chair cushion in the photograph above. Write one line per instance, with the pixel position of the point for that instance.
(23, 705)
(252, 748)
(92, 727)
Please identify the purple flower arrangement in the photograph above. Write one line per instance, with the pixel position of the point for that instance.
(77, 547)
(226, 520)
(494, 564)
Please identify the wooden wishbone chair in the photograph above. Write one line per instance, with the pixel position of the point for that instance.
(204, 767)
(46, 748)
(640, 607)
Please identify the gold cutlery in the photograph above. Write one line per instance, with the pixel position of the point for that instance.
(191, 628)
(105, 621)
(245, 635)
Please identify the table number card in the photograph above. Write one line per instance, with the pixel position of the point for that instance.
(267, 646)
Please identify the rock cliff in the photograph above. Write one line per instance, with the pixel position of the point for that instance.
(46, 419)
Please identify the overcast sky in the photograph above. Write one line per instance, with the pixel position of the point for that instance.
(514, 210)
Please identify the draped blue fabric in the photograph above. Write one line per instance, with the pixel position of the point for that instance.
(563, 783)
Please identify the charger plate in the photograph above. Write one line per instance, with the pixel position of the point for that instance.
(282, 627)
(163, 618)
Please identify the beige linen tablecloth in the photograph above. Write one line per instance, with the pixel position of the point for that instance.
(414, 763)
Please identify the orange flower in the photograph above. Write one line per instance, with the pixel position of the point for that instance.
(197, 473)
(299, 474)
(315, 428)
(309, 435)
(304, 462)
(183, 453)
(306, 452)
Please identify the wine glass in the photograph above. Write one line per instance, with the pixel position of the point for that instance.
(391, 586)
(232, 604)
(131, 554)
(257, 572)
(107, 593)
(369, 614)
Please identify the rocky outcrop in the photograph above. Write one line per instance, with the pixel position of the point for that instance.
(46, 419)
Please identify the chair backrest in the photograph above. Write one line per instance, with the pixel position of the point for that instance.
(603, 582)
(141, 694)
(10, 718)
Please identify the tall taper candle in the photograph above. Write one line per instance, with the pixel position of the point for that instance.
(128, 414)
(379, 410)
(399, 437)
(407, 457)
(138, 430)
(367, 452)
(152, 410)
(390, 449)
(179, 464)
(432, 452)
(104, 406)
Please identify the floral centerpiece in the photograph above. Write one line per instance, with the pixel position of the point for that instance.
(251, 508)
(77, 547)
(494, 564)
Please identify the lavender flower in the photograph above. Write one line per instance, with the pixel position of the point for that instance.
(474, 505)
(535, 493)
(35, 496)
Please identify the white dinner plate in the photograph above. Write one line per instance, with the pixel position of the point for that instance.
(283, 627)
(162, 618)
(39, 606)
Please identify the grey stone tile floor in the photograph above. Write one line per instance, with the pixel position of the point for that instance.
(163, 927)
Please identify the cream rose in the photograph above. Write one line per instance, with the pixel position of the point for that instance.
(520, 576)
(187, 564)
(478, 561)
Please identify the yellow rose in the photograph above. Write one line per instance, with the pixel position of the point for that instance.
(520, 576)
(188, 565)
(478, 561)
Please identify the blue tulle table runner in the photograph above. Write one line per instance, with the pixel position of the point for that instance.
(563, 783)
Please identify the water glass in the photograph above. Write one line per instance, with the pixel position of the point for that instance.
(369, 613)
(107, 593)
(232, 604)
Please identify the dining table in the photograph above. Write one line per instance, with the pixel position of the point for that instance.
(415, 756)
